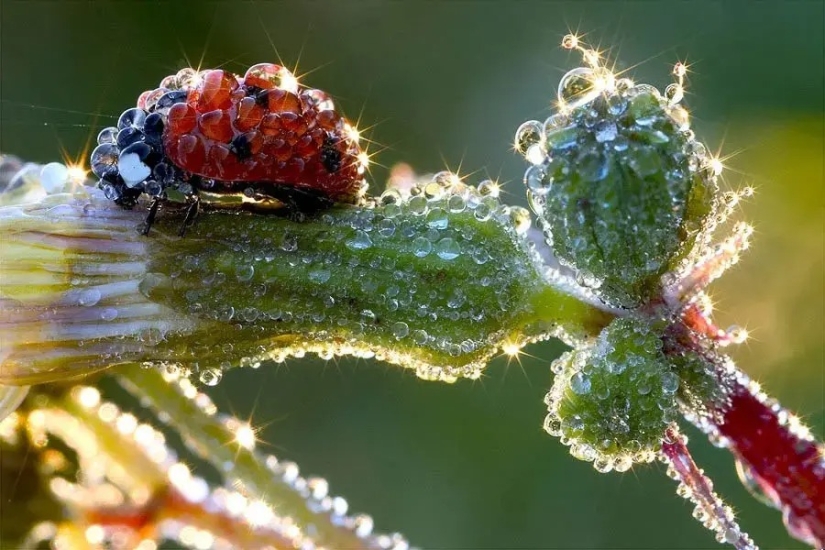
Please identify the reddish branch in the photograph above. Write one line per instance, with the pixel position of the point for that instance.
(788, 468)
(169, 505)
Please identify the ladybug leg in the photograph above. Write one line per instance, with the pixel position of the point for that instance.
(150, 217)
(301, 203)
(191, 213)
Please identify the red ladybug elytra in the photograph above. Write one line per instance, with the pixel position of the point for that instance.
(263, 135)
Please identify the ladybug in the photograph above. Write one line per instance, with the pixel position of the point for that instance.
(263, 137)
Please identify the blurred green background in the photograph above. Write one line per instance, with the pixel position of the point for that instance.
(445, 84)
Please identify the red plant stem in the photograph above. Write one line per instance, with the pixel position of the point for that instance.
(678, 456)
(788, 467)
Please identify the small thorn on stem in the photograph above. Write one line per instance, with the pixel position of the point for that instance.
(700, 322)
(711, 266)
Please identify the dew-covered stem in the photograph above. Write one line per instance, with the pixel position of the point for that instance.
(438, 283)
(245, 469)
(710, 509)
(779, 458)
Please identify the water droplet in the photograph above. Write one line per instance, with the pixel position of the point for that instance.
(456, 204)
(605, 131)
(437, 218)
(643, 387)
(603, 464)
(418, 205)
(645, 161)
(670, 382)
(621, 143)
(249, 314)
(422, 246)
(419, 337)
(210, 377)
(360, 241)
(674, 93)
(489, 188)
(54, 177)
(390, 196)
(578, 87)
(225, 313)
(289, 243)
(433, 190)
(88, 297)
(109, 314)
(680, 117)
(561, 139)
(107, 135)
(400, 330)
(529, 134)
(521, 219)
(751, 483)
(593, 166)
(580, 383)
(362, 526)
(368, 317)
(535, 178)
(570, 42)
(447, 249)
(245, 272)
(386, 228)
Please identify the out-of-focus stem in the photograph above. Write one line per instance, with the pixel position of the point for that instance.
(213, 441)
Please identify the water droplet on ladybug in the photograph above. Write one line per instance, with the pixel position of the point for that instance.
(171, 98)
(104, 160)
(153, 129)
(129, 135)
(107, 135)
(131, 118)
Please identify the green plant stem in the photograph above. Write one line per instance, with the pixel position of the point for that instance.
(439, 286)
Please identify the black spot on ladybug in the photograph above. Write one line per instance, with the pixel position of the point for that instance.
(240, 147)
(330, 155)
(260, 95)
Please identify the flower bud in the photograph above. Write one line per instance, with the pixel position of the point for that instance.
(623, 188)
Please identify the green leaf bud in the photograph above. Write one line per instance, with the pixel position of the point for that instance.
(622, 188)
(612, 401)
